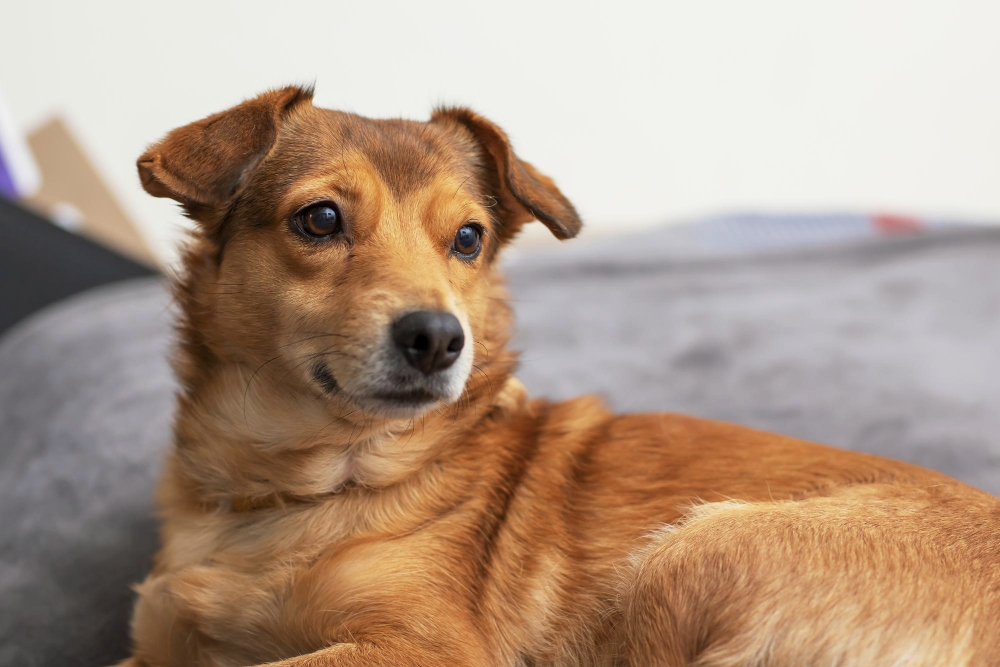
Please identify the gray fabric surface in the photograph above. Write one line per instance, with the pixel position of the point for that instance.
(85, 405)
(888, 347)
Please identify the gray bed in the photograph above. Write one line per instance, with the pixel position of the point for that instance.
(885, 346)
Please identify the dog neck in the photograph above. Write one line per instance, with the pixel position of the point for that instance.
(358, 469)
(241, 445)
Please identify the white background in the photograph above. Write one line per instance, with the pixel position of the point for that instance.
(644, 112)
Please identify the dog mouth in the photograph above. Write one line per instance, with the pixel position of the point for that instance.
(409, 398)
(324, 378)
(416, 397)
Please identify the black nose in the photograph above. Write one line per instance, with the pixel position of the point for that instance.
(430, 341)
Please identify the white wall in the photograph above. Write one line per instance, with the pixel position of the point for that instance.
(643, 111)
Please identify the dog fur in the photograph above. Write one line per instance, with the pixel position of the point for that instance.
(307, 524)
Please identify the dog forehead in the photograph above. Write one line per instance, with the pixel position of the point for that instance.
(406, 155)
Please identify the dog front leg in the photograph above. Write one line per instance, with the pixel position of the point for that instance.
(391, 653)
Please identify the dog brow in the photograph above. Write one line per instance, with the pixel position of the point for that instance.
(404, 155)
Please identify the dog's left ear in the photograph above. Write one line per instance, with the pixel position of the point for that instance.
(523, 193)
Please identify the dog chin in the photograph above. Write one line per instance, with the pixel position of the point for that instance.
(402, 404)
(396, 399)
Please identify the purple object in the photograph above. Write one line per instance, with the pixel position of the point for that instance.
(19, 175)
(7, 188)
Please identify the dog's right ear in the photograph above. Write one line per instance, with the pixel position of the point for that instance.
(204, 165)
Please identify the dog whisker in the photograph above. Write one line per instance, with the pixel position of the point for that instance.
(487, 377)
(247, 390)
(309, 357)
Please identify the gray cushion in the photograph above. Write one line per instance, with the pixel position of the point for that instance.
(85, 403)
(890, 347)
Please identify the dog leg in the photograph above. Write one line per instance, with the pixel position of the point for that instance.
(869, 576)
(388, 653)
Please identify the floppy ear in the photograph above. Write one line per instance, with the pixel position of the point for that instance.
(523, 193)
(204, 165)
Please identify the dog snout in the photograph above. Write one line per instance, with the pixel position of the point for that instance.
(429, 340)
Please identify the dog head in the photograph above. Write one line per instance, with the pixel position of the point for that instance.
(357, 255)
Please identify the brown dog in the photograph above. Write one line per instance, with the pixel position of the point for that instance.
(357, 478)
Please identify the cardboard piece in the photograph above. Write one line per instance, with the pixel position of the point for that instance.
(74, 195)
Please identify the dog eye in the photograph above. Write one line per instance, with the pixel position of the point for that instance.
(319, 220)
(468, 241)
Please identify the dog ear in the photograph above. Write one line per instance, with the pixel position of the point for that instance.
(523, 193)
(204, 165)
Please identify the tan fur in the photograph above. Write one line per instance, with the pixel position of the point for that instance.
(304, 527)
